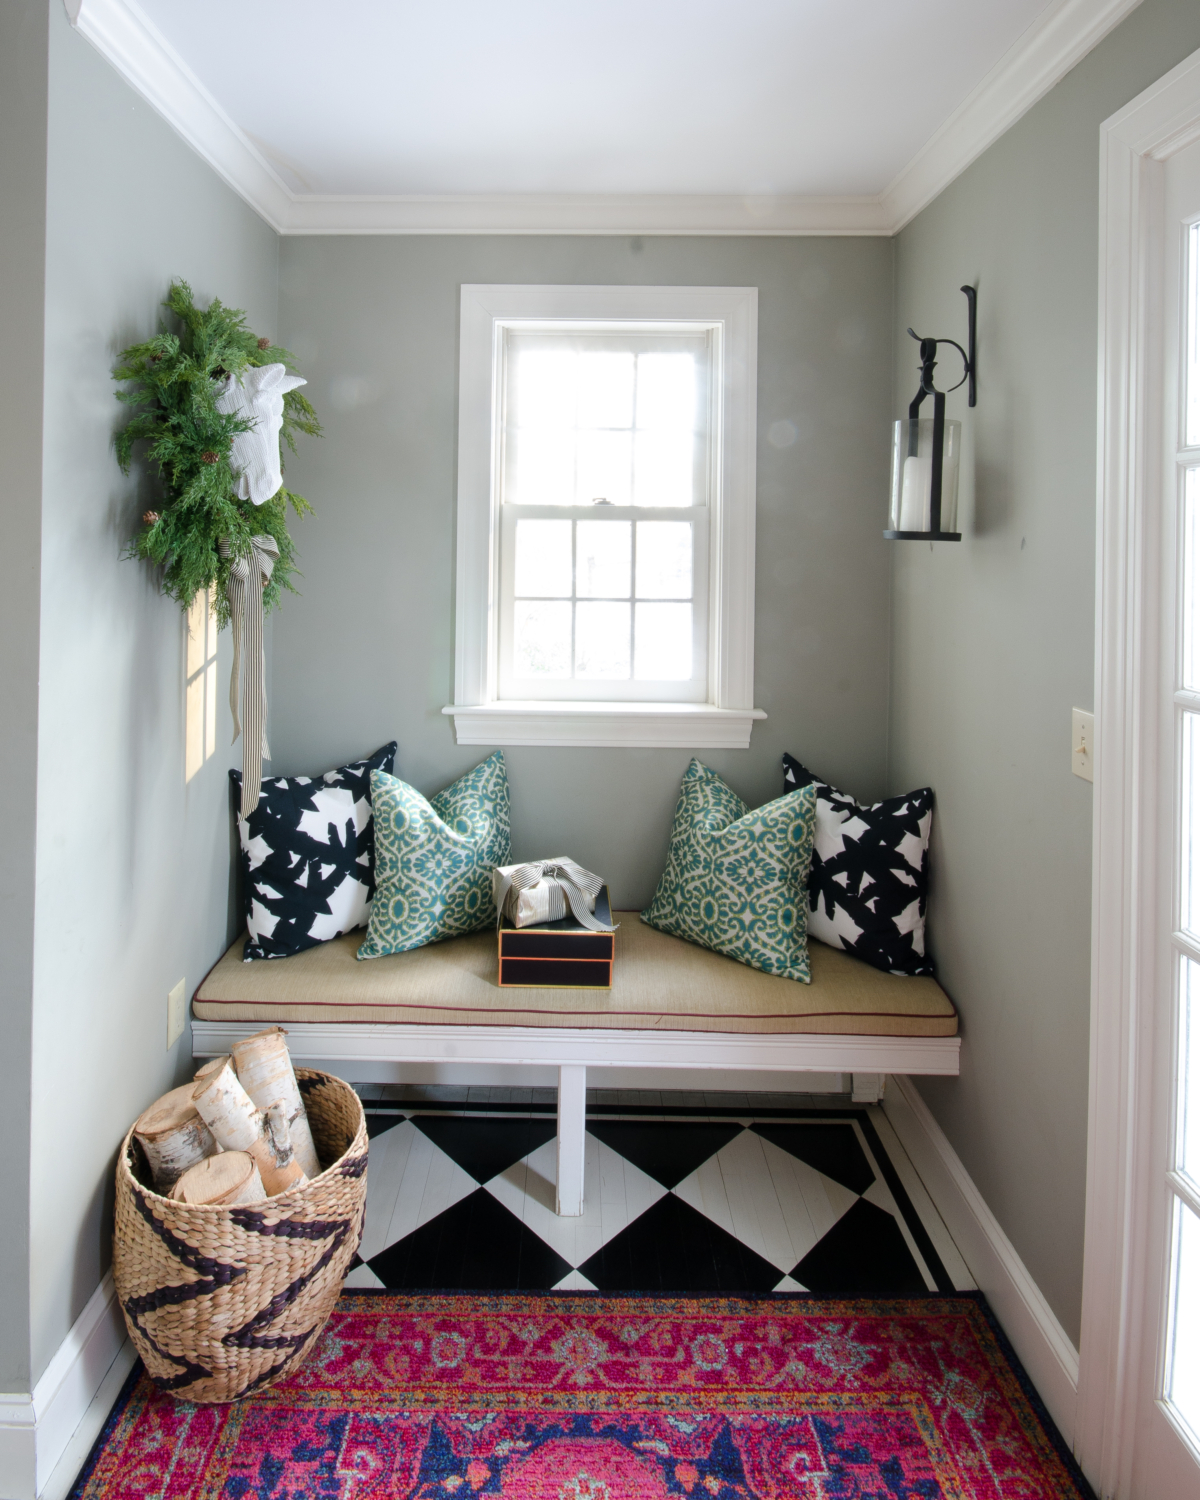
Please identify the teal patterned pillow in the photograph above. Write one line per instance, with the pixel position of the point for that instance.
(434, 860)
(737, 881)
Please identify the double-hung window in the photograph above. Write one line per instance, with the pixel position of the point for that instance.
(606, 516)
(605, 465)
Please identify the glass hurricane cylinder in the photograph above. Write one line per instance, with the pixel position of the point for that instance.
(912, 476)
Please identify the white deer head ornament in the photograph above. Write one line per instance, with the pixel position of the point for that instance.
(258, 398)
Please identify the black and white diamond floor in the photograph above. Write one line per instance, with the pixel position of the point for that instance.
(684, 1192)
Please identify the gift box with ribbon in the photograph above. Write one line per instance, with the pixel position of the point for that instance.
(556, 927)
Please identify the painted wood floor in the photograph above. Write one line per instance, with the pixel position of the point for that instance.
(683, 1193)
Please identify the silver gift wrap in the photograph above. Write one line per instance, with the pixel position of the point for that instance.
(544, 890)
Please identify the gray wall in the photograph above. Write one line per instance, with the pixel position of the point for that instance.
(993, 642)
(23, 33)
(992, 639)
(366, 653)
(133, 867)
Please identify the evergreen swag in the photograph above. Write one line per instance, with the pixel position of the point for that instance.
(175, 380)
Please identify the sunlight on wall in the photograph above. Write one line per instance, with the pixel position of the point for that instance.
(201, 713)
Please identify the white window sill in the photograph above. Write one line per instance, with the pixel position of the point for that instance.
(640, 726)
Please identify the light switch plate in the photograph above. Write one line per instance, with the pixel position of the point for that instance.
(176, 1013)
(1083, 733)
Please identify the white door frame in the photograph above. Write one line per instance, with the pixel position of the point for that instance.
(1134, 144)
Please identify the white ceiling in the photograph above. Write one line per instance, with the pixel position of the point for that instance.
(723, 97)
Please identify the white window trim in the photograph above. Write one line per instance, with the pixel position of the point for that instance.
(725, 721)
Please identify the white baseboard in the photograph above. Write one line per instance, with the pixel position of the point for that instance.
(35, 1429)
(1041, 1344)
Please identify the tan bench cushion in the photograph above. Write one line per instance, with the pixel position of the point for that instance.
(660, 983)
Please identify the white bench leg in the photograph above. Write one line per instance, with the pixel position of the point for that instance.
(867, 1088)
(572, 1123)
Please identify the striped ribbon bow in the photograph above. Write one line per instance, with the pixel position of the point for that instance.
(553, 884)
(247, 574)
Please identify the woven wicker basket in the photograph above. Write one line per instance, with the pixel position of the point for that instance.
(220, 1302)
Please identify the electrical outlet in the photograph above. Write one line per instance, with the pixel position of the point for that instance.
(1083, 733)
(176, 1013)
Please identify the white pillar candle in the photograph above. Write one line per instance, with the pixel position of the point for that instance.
(916, 479)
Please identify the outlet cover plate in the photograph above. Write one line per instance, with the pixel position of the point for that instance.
(1083, 733)
(176, 1013)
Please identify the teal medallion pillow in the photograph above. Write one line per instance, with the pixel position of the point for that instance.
(434, 860)
(736, 881)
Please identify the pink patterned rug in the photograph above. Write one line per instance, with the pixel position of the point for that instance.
(610, 1398)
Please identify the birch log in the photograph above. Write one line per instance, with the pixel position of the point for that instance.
(173, 1136)
(279, 1135)
(222, 1181)
(213, 1065)
(236, 1125)
(265, 1071)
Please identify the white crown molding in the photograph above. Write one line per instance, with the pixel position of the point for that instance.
(145, 59)
(584, 213)
(1046, 52)
(1056, 41)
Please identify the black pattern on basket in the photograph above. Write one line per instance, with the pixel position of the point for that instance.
(187, 1375)
(217, 1273)
(247, 1336)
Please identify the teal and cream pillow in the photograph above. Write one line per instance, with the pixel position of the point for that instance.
(434, 860)
(736, 881)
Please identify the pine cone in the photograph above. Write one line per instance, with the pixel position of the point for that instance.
(264, 343)
(209, 457)
(150, 517)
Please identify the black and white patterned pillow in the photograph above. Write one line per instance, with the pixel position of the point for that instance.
(870, 874)
(308, 857)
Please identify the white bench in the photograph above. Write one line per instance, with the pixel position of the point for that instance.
(672, 1005)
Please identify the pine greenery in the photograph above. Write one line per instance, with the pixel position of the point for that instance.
(174, 380)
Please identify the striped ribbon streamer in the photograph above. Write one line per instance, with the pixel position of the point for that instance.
(566, 882)
(247, 574)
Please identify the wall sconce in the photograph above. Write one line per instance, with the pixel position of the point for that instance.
(925, 451)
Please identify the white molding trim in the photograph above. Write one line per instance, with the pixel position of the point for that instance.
(630, 726)
(1041, 57)
(35, 1429)
(1125, 857)
(482, 718)
(1041, 1343)
(1044, 54)
(124, 35)
(344, 1042)
(585, 213)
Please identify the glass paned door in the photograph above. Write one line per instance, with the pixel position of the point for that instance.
(1181, 1364)
(1175, 1284)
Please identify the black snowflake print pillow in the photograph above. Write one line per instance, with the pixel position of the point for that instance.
(870, 873)
(308, 857)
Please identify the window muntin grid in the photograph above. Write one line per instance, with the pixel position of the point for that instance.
(606, 465)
